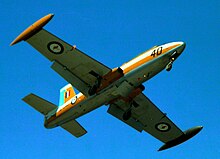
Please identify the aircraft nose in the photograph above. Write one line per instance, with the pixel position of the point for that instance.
(181, 47)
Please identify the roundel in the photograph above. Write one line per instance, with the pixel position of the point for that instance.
(163, 127)
(55, 47)
(74, 100)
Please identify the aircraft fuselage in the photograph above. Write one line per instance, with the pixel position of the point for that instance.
(135, 72)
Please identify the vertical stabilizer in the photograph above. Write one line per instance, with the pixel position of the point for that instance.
(66, 93)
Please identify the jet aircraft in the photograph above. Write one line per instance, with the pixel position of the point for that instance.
(120, 88)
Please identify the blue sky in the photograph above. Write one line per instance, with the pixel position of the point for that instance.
(113, 33)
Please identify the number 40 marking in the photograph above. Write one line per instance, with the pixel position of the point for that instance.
(157, 51)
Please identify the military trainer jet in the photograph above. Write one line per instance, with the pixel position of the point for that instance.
(119, 88)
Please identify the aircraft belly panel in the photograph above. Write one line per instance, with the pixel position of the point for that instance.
(124, 89)
(146, 71)
(86, 106)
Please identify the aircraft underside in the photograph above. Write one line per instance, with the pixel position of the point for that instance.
(120, 88)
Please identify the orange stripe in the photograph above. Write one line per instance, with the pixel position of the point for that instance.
(69, 106)
(137, 64)
(144, 60)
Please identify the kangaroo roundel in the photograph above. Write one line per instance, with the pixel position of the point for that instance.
(74, 100)
(55, 47)
(164, 127)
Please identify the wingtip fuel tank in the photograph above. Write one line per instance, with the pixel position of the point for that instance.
(31, 30)
(186, 136)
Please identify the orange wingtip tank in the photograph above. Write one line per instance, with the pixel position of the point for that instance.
(31, 30)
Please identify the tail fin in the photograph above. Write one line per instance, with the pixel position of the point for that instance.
(66, 93)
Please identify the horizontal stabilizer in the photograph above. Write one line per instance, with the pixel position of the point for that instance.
(39, 104)
(186, 136)
(74, 128)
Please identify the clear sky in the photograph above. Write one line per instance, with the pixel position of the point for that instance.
(113, 32)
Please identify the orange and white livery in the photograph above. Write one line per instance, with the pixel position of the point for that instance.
(119, 88)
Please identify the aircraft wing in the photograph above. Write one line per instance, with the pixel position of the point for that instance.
(73, 65)
(146, 116)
